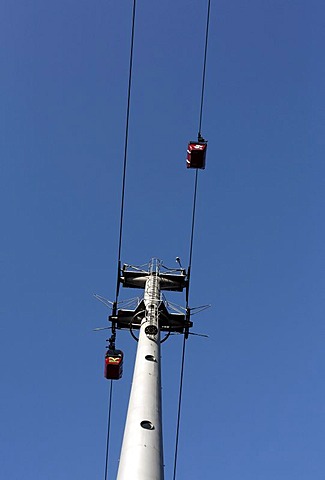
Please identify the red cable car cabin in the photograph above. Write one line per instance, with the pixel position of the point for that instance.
(196, 152)
(113, 364)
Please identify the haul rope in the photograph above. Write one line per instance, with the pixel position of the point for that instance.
(192, 237)
(121, 217)
(125, 151)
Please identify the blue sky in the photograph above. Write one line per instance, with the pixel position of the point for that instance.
(253, 405)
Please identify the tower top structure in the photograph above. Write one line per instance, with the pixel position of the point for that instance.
(142, 448)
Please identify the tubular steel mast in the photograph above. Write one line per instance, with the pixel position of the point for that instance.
(142, 448)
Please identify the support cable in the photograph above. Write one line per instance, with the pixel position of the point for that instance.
(204, 66)
(108, 428)
(125, 150)
(192, 235)
(192, 239)
(121, 225)
(179, 406)
(199, 138)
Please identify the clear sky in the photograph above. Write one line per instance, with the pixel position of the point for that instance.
(253, 405)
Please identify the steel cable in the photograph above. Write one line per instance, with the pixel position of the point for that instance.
(192, 237)
(179, 406)
(108, 428)
(121, 217)
(125, 149)
(204, 66)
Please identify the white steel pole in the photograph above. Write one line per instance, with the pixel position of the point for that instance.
(142, 447)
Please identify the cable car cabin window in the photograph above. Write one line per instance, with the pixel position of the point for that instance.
(196, 153)
(113, 364)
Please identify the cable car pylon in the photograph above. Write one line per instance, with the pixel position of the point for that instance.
(142, 448)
